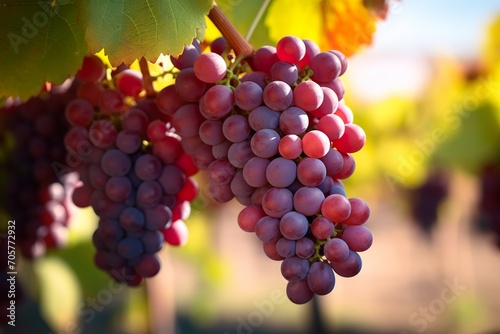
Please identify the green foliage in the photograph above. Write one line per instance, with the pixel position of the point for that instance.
(41, 41)
(475, 144)
(131, 29)
(46, 41)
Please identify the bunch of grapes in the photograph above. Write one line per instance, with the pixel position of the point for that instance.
(489, 212)
(426, 199)
(37, 195)
(274, 132)
(134, 172)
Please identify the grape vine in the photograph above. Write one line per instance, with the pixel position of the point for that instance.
(268, 127)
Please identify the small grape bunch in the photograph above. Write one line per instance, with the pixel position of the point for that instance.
(133, 171)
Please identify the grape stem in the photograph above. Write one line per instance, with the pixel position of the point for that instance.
(239, 44)
(146, 77)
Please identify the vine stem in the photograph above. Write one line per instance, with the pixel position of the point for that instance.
(146, 77)
(239, 44)
(257, 18)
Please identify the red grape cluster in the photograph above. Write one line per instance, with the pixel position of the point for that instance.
(36, 195)
(279, 139)
(134, 172)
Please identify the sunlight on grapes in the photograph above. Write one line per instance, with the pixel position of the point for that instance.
(297, 191)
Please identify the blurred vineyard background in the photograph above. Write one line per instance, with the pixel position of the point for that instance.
(424, 82)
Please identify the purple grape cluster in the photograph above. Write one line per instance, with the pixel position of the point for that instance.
(134, 172)
(37, 195)
(488, 210)
(275, 134)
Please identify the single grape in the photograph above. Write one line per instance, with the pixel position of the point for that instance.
(315, 144)
(276, 202)
(158, 217)
(299, 292)
(320, 278)
(350, 267)
(129, 82)
(254, 171)
(176, 234)
(290, 146)
(352, 140)
(211, 132)
(307, 200)
(149, 194)
(331, 125)
(311, 172)
(188, 86)
(92, 69)
(130, 248)
(336, 207)
(305, 248)
(293, 120)
(219, 45)
(79, 112)
(115, 163)
(326, 67)
(209, 67)
(281, 172)
(294, 268)
(147, 167)
(118, 188)
(265, 57)
(187, 58)
(248, 95)
(358, 238)
(290, 49)
(333, 161)
(168, 100)
(360, 212)
(285, 247)
(217, 102)
(322, 228)
(128, 141)
(308, 95)
(220, 172)
(240, 153)
(187, 120)
(284, 71)
(171, 179)
(132, 219)
(293, 225)
(264, 143)
(236, 128)
(267, 229)
(248, 217)
(278, 95)
(263, 118)
(344, 112)
(336, 250)
(148, 266)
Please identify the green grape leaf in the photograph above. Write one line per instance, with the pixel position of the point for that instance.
(131, 29)
(39, 41)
